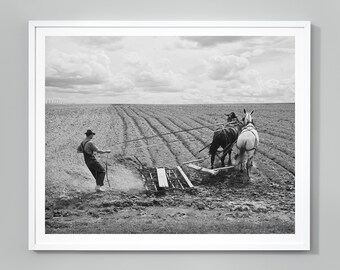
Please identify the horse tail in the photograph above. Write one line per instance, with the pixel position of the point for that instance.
(241, 151)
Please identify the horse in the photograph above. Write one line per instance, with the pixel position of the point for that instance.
(247, 143)
(225, 138)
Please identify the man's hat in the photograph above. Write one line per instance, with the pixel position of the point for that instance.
(89, 132)
(232, 115)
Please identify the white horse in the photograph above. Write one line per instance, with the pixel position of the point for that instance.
(246, 143)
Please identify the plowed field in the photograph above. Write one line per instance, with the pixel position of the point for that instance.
(226, 203)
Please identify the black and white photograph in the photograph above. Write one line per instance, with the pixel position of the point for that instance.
(160, 135)
(155, 135)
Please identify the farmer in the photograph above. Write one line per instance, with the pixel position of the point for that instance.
(88, 149)
(231, 117)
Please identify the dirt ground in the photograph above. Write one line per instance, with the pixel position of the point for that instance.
(227, 203)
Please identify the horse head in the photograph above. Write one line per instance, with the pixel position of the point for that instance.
(247, 118)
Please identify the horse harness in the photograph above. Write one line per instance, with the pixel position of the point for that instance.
(246, 128)
(231, 125)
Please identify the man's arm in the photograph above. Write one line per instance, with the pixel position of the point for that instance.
(95, 149)
(79, 149)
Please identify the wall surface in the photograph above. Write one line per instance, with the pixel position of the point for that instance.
(14, 125)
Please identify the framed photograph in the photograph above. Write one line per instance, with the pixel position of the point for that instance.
(169, 135)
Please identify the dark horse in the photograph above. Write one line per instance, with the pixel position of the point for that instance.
(225, 138)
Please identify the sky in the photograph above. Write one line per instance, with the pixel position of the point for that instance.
(170, 70)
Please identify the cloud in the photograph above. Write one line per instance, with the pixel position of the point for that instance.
(254, 53)
(119, 83)
(211, 70)
(67, 70)
(110, 43)
(223, 67)
(210, 41)
(242, 42)
(152, 77)
(82, 72)
(270, 41)
(251, 85)
(283, 50)
(183, 43)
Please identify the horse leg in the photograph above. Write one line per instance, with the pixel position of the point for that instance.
(247, 167)
(251, 163)
(226, 151)
(244, 165)
(212, 160)
(241, 161)
(212, 151)
(229, 160)
(241, 165)
(222, 159)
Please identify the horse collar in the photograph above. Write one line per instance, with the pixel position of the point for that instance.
(247, 126)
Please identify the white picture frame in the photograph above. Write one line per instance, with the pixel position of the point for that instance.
(38, 240)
